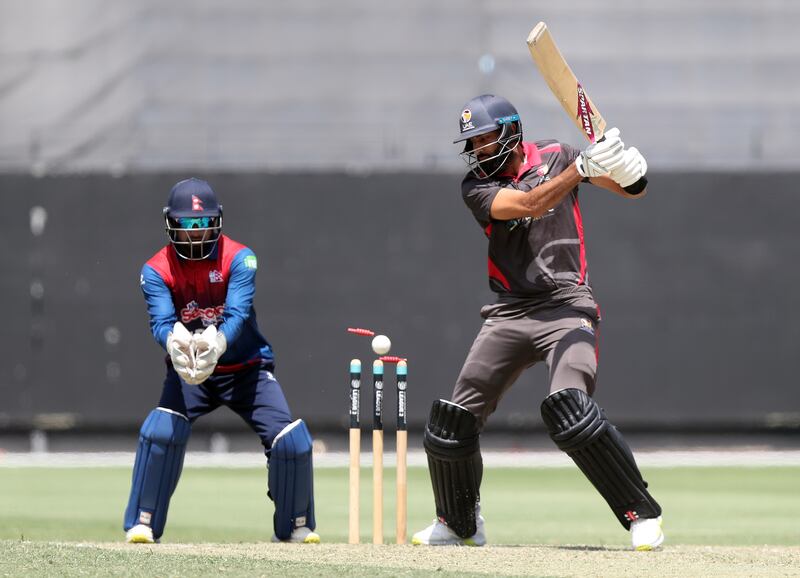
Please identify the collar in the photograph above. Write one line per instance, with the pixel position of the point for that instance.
(532, 159)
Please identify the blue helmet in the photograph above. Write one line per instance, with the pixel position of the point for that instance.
(193, 218)
(484, 114)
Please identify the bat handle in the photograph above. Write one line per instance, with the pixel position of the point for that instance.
(636, 187)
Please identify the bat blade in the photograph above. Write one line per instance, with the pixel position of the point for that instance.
(569, 92)
(564, 84)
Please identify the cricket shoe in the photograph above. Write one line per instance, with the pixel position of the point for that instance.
(140, 534)
(302, 535)
(439, 534)
(646, 534)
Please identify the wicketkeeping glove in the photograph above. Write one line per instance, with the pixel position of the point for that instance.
(180, 350)
(208, 347)
(602, 157)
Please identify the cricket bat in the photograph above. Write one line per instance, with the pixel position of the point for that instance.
(569, 91)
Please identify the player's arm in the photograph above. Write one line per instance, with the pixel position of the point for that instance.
(160, 307)
(608, 184)
(513, 204)
(241, 291)
(597, 159)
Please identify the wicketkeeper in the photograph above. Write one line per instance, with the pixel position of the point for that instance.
(524, 196)
(199, 292)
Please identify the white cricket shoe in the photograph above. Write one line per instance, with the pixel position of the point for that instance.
(646, 534)
(140, 534)
(439, 534)
(302, 535)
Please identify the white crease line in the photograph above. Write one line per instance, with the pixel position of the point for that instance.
(551, 459)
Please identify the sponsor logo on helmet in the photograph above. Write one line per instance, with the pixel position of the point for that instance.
(197, 204)
(466, 120)
(208, 315)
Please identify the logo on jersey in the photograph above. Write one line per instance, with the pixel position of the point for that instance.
(208, 315)
(197, 204)
(587, 326)
(466, 120)
(250, 262)
(141, 280)
(542, 170)
(514, 223)
(215, 276)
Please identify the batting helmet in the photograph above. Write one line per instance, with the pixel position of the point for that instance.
(193, 218)
(484, 114)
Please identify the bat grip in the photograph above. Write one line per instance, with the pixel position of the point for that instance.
(636, 187)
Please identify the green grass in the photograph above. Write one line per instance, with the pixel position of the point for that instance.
(702, 506)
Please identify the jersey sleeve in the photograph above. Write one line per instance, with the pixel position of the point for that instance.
(479, 197)
(241, 290)
(570, 154)
(160, 307)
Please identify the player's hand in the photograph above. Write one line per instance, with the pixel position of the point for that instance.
(208, 348)
(602, 157)
(180, 350)
(633, 168)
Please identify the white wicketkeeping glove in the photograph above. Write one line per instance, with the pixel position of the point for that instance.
(602, 157)
(633, 168)
(208, 347)
(180, 350)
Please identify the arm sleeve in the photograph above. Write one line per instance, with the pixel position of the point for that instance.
(570, 153)
(479, 197)
(160, 307)
(239, 300)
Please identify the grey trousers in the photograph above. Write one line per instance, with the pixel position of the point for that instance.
(565, 338)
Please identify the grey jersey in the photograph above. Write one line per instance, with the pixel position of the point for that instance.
(538, 260)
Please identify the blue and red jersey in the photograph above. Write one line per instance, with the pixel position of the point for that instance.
(217, 291)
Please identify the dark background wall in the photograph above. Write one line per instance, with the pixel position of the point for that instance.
(697, 283)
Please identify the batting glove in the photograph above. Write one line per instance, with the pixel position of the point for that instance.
(633, 168)
(602, 157)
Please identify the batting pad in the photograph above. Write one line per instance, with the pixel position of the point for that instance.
(455, 464)
(158, 465)
(579, 427)
(291, 480)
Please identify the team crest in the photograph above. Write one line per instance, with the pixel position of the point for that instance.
(215, 276)
(466, 120)
(197, 204)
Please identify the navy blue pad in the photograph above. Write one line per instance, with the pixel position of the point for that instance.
(159, 461)
(291, 480)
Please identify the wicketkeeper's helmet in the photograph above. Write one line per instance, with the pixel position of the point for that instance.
(193, 218)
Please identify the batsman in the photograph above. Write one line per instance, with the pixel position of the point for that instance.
(524, 196)
(199, 292)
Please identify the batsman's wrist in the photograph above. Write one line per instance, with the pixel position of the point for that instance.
(637, 187)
